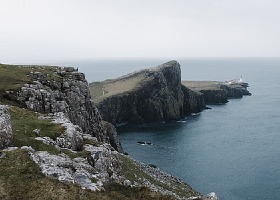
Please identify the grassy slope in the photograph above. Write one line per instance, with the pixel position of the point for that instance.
(20, 178)
(114, 87)
(13, 77)
(202, 85)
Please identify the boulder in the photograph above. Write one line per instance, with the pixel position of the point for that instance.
(6, 133)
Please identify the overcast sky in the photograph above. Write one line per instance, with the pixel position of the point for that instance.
(39, 30)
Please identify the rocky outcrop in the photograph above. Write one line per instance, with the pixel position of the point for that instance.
(67, 92)
(157, 96)
(6, 134)
(218, 92)
(112, 136)
(194, 102)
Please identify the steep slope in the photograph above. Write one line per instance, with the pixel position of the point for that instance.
(150, 95)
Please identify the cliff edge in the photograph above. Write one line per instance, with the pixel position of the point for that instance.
(215, 92)
(150, 95)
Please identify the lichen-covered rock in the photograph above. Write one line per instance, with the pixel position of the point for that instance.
(72, 138)
(66, 170)
(112, 136)
(157, 97)
(68, 93)
(6, 134)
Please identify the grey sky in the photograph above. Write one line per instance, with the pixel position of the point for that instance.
(35, 30)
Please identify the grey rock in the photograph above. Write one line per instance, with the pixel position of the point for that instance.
(6, 133)
(69, 95)
(112, 136)
(37, 132)
(127, 183)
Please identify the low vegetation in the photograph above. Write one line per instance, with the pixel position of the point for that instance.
(202, 85)
(101, 90)
(13, 77)
(20, 178)
(133, 173)
(25, 121)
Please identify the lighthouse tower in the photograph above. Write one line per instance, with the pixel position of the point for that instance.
(240, 80)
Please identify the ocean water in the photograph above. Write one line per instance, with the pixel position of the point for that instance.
(232, 149)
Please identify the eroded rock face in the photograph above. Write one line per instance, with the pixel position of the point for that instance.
(68, 94)
(159, 97)
(101, 167)
(112, 136)
(6, 134)
(193, 101)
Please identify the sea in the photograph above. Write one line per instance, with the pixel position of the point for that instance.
(231, 149)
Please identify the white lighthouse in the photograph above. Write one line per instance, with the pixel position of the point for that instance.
(240, 80)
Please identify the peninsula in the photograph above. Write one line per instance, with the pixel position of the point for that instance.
(158, 94)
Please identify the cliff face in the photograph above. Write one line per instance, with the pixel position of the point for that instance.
(217, 92)
(194, 102)
(157, 96)
(68, 93)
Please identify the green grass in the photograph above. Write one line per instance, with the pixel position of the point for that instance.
(96, 89)
(133, 173)
(24, 122)
(13, 77)
(115, 86)
(20, 178)
(71, 154)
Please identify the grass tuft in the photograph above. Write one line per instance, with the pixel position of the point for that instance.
(24, 122)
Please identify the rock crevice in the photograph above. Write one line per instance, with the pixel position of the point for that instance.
(68, 93)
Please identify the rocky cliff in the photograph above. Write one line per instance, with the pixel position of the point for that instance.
(67, 92)
(150, 95)
(215, 92)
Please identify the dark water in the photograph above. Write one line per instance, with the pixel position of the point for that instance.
(232, 149)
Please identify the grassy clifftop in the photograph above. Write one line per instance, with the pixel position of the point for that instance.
(105, 89)
(13, 77)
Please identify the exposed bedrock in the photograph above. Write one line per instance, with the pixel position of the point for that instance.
(67, 93)
(218, 92)
(6, 134)
(150, 95)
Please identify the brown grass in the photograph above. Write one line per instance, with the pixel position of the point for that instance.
(202, 85)
(101, 90)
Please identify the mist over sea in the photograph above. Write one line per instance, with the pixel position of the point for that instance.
(232, 149)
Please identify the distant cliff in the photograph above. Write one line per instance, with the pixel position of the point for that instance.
(218, 92)
(150, 95)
